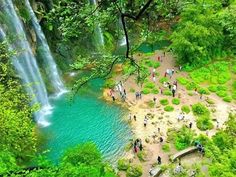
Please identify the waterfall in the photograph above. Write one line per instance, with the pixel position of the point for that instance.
(98, 30)
(49, 63)
(25, 62)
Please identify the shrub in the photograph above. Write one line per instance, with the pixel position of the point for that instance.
(149, 85)
(234, 85)
(204, 123)
(146, 91)
(183, 138)
(212, 88)
(110, 83)
(191, 86)
(182, 80)
(134, 171)
(151, 104)
(164, 102)
(166, 147)
(227, 99)
(176, 101)
(221, 93)
(185, 108)
(210, 101)
(141, 156)
(155, 91)
(123, 164)
(234, 69)
(169, 108)
(132, 90)
(200, 109)
(203, 91)
(167, 92)
(221, 87)
(128, 69)
(163, 79)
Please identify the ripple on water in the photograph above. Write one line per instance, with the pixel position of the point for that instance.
(87, 119)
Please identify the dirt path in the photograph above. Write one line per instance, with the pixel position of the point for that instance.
(165, 120)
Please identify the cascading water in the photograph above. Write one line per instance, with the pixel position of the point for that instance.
(98, 30)
(51, 67)
(25, 62)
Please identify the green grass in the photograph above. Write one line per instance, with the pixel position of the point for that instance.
(204, 123)
(132, 90)
(151, 104)
(176, 101)
(155, 91)
(164, 102)
(169, 108)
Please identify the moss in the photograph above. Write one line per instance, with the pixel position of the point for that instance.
(221, 93)
(176, 101)
(169, 108)
(212, 88)
(164, 102)
(151, 104)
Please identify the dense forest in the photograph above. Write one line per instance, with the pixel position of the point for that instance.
(112, 40)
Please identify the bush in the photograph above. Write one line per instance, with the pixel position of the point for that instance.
(221, 93)
(166, 147)
(203, 91)
(163, 79)
(141, 156)
(110, 83)
(210, 101)
(155, 91)
(204, 123)
(182, 80)
(146, 91)
(149, 85)
(128, 69)
(183, 138)
(132, 90)
(169, 108)
(200, 109)
(167, 92)
(164, 102)
(185, 108)
(123, 164)
(212, 88)
(176, 101)
(227, 99)
(191, 86)
(134, 171)
(151, 104)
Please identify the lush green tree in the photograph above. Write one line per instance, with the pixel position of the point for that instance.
(17, 129)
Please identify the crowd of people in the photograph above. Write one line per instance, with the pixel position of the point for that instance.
(137, 145)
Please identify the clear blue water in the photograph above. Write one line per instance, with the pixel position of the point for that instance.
(87, 118)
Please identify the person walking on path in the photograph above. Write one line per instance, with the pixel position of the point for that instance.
(161, 91)
(159, 160)
(145, 121)
(173, 92)
(134, 117)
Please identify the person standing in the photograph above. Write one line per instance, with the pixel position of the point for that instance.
(190, 125)
(134, 117)
(145, 121)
